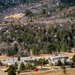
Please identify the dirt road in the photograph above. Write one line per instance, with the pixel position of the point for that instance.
(2, 72)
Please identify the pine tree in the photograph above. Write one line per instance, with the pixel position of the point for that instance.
(19, 59)
(73, 58)
(22, 66)
(28, 65)
(72, 65)
(42, 62)
(11, 70)
(16, 66)
(59, 63)
(36, 62)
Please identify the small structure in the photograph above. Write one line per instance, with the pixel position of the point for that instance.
(36, 69)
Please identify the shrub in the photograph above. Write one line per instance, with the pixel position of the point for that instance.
(11, 70)
(29, 65)
(72, 65)
(73, 58)
(18, 59)
(59, 63)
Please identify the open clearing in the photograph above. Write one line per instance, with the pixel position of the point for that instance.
(70, 55)
(59, 72)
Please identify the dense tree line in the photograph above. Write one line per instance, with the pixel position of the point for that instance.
(40, 40)
(70, 2)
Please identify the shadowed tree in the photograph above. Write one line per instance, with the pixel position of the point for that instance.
(22, 66)
(11, 70)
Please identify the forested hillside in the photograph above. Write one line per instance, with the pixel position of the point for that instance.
(69, 2)
(9, 3)
(43, 29)
(66, 3)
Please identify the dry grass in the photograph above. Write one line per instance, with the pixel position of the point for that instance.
(4, 57)
(15, 16)
(70, 55)
(42, 55)
(59, 72)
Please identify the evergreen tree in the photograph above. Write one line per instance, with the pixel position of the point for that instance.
(35, 62)
(11, 70)
(28, 65)
(16, 66)
(59, 63)
(73, 58)
(70, 2)
(72, 65)
(42, 62)
(35, 50)
(51, 47)
(22, 66)
(0, 63)
(19, 59)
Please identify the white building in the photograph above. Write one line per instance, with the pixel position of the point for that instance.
(54, 59)
(12, 61)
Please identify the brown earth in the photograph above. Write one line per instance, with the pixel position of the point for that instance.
(70, 55)
(59, 72)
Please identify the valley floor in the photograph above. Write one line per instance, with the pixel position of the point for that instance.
(59, 72)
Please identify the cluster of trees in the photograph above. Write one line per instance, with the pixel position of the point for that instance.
(40, 40)
(13, 50)
(71, 64)
(64, 64)
(31, 1)
(9, 3)
(41, 62)
(70, 2)
(13, 69)
(66, 3)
